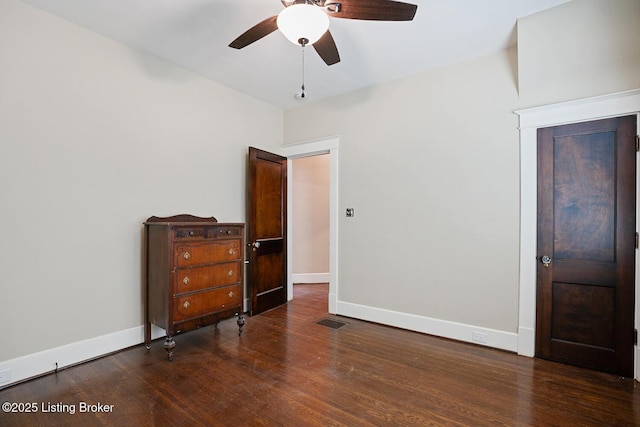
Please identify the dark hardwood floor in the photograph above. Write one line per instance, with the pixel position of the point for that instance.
(288, 370)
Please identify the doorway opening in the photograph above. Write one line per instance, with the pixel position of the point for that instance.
(310, 219)
(329, 147)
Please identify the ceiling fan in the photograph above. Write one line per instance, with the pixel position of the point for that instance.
(307, 21)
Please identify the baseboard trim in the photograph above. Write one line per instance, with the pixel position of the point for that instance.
(48, 361)
(44, 362)
(442, 328)
(310, 278)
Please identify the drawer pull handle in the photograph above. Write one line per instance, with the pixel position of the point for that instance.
(185, 280)
(186, 305)
(231, 294)
(186, 255)
(232, 252)
(191, 233)
(230, 273)
(228, 231)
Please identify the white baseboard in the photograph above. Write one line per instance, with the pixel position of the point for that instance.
(33, 365)
(310, 278)
(442, 328)
(36, 364)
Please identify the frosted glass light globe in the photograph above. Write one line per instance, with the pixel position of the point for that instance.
(303, 21)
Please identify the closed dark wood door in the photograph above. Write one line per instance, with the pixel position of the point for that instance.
(586, 244)
(267, 230)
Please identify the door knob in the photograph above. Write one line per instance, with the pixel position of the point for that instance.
(546, 260)
(256, 244)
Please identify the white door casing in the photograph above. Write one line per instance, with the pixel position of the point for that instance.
(613, 105)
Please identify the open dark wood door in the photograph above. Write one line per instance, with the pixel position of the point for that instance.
(586, 244)
(267, 230)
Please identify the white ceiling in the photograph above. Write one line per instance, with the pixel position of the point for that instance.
(195, 35)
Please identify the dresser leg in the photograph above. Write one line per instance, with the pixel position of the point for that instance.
(240, 323)
(169, 345)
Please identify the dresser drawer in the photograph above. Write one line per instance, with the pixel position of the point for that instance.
(194, 279)
(194, 305)
(188, 254)
(190, 233)
(223, 231)
(209, 232)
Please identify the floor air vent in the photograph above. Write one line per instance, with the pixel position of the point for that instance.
(333, 324)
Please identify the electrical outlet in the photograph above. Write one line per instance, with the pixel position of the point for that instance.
(479, 337)
(5, 376)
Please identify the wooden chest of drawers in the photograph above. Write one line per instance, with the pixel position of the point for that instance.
(194, 274)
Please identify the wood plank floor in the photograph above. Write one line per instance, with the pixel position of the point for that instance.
(287, 370)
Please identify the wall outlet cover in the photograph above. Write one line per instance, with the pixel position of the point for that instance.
(479, 337)
(5, 376)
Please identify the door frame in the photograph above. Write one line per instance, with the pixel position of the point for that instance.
(600, 107)
(298, 150)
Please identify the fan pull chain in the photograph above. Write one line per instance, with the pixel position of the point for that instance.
(302, 93)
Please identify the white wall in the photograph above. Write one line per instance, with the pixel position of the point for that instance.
(310, 203)
(580, 49)
(94, 138)
(431, 165)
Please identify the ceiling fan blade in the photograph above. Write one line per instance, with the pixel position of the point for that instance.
(374, 10)
(255, 33)
(326, 48)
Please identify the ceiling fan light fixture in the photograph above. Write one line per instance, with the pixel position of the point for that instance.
(300, 22)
